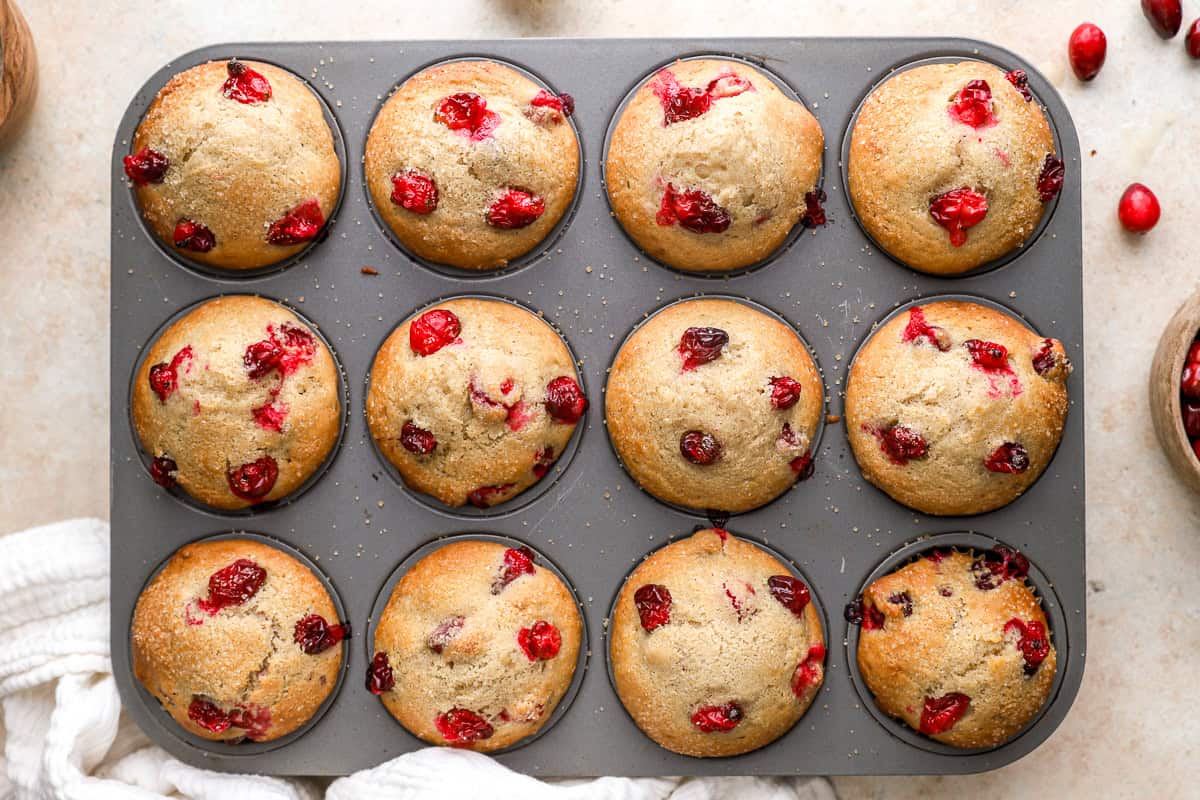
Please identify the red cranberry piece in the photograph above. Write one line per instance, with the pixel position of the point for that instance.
(563, 103)
(1047, 361)
(255, 480)
(904, 600)
(973, 106)
(701, 345)
(1193, 354)
(790, 592)
(939, 554)
(444, 634)
(902, 444)
(192, 235)
(814, 211)
(270, 416)
(681, 102)
(693, 209)
(245, 85)
(1165, 16)
(1189, 381)
(297, 226)
(785, 392)
(515, 209)
(379, 674)
(540, 642)
(710, 719)
(459, 726)
(728, 85)
(315, 635)
(958, 210)
(517, 562)
(918, 331)
(1032, 642)
(1009, 458)
(164, 378)
(542, 460)
(417, 440)
(987, 355)
(564, 400)
(286, 349)
(483, 496)
(1020, 79)
(162, 471)
(699, 447)
(1191, 419)
(467, 112)
(1138, 210)
(653, 604)
(803, 466)
(940, 714)
(146, 166)
(998, 565)
(262, 357)
(1050, 181)
(432, 331)
(255, 720)
(1192, 40)
(1086, 50)
(208, 715)
(232, 585)
(414, 192)
(859, 613)
(810, 671)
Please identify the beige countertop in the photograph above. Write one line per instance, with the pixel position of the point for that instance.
(1131, 731)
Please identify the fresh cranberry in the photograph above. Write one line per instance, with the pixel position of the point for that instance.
(1165, 16)
(245, 85)
(162, 471)
(432, 331)
(516, 208)
(146, 166)
(417, 440)
(904, 600)
(1138, 210)
(785, 392)
(988, 355)
(1032, 642)
(810, 671)
(918, 331)
(565, 401)
(973, 105)
(255, 480)
(542, 460)
(1196, 447)
(790, 592)
(693, 209)
(1020, 79)
(998, 565)
(1050, 180)
(232, 585)
(563, 104)
(467, 112)
(414, 192)
(859, 613)
(710, 719)
(1192, 40)
(379, 674)
(192, 235)
(1009, 458)
(1191, 419)
(958, 210)
(814, 211)
(701, 345)
(286, 349)
(653, 604)
(699, 447)
(902, 444)
(315, 635)
(208, 715)
(1086, 49)
(940, 714)
(540, 642)
(164, 378)
(297, 226)
(1193, 353)
(1189, 381)
(483, 497)
(517, 562)
(803, 465)
(444, 634)
(459, 726)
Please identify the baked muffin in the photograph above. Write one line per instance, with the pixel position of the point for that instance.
(236, 402)
(709, 164)
(234, 165)
(716, 648)
(476, 646)
(237, 640)
(955, 407)
(952, 165)
(473, 401)
(956, 645)
(714, 405)
(472, 164)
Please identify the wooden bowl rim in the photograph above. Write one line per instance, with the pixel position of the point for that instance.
(1166, 406)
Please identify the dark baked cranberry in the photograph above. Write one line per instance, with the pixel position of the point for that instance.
(988, 355)
(1009, 458)
(1165, 16)
(484, 496)
(459, 726)
(542, 460)
(563, 103)
(164, 378)
(803, 466)
(973, 105)
(315, 635)
(701, 345)
(517, 562)
(146, 166)
(785, 392)
(998, 565)
(467, 112)
(286, 349)
(255, 480)
(432, 331)
(859, 613)
(417, 440)
(379, 674)
(939, 554)
(414, 192)
(940, 714)
(958, 210)
(1086, 50)
(1020, 79)
(299, 225)
(1050, 179)
(693, 209)
(902, 444)
(162, 471)
(540, 641)
(1032, 642)
(810, 671)
(245, 85)
(790, 592)
(192, 235)
(565, 401)
(1138, 209)
(653, 604)
(814, 211)
(444, 634)
(232, 585)
(710, 719)
(208, 715)
(1046, 360)
(514, 209)
(904, 600)
(699, 447)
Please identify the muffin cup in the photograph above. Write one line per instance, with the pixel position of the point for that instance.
(1166, 407)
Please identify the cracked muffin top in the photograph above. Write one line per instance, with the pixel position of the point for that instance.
(237, 640)
(709, 164)
(712, 404)
(955, 407)
(236, 402)
(952, 165)
(472, 164)
(476, 647)
(716, 647)
(956, 645)
(234, 165)
(473, 401)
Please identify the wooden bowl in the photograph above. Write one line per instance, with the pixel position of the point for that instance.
(18, 69)
(1165, 407)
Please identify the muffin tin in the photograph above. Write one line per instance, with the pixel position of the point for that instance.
(357, 523)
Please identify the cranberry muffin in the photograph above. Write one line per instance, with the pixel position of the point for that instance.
(472, 164)
(473, 401)
(234, 165)
(236, 402)
(716, 648)
(709, 165)
(237, 640)
(476, 647)
(956, 645)
(952, 165)
(714, 405)
(955, 407)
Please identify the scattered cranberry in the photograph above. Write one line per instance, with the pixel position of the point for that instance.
(1138, 210)
(1191, 419)
(1050, 180)
(710, 719)
(919, 331)
(468, 113)
(1086, 50)
(444, 634)
(414, 192)
(902, 444)
(1192, 40)
(192, 235)
(315, 635)
(973, 105)
(515, 209)
(940, 714)
(286, 349)
(565, 401)
(653, 604)
(146, 166)
(693, 209)
(785, 392)
(255, 480)
(245, 85)
(299, 225)
(987, 355)
(517, 562)
(859, 613)
(232, 585)
(432, 331)
(459, 726)
(1009, 458)
(810, 671)
(1020, 79)
(790, 592)
(417, 440)
(958, 210)
(814, 211)
(379, 674)
(699, 447)
(904, 600)
(562, 104)
(1165, 16)
(540, 642)
(164, 378)
(701, 345)
(998, 565)
(1032, 642)
(542, 460)
(162, 471)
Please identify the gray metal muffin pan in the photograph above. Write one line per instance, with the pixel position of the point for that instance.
(356, 523)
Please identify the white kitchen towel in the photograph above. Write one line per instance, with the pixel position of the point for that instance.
(64, 737)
